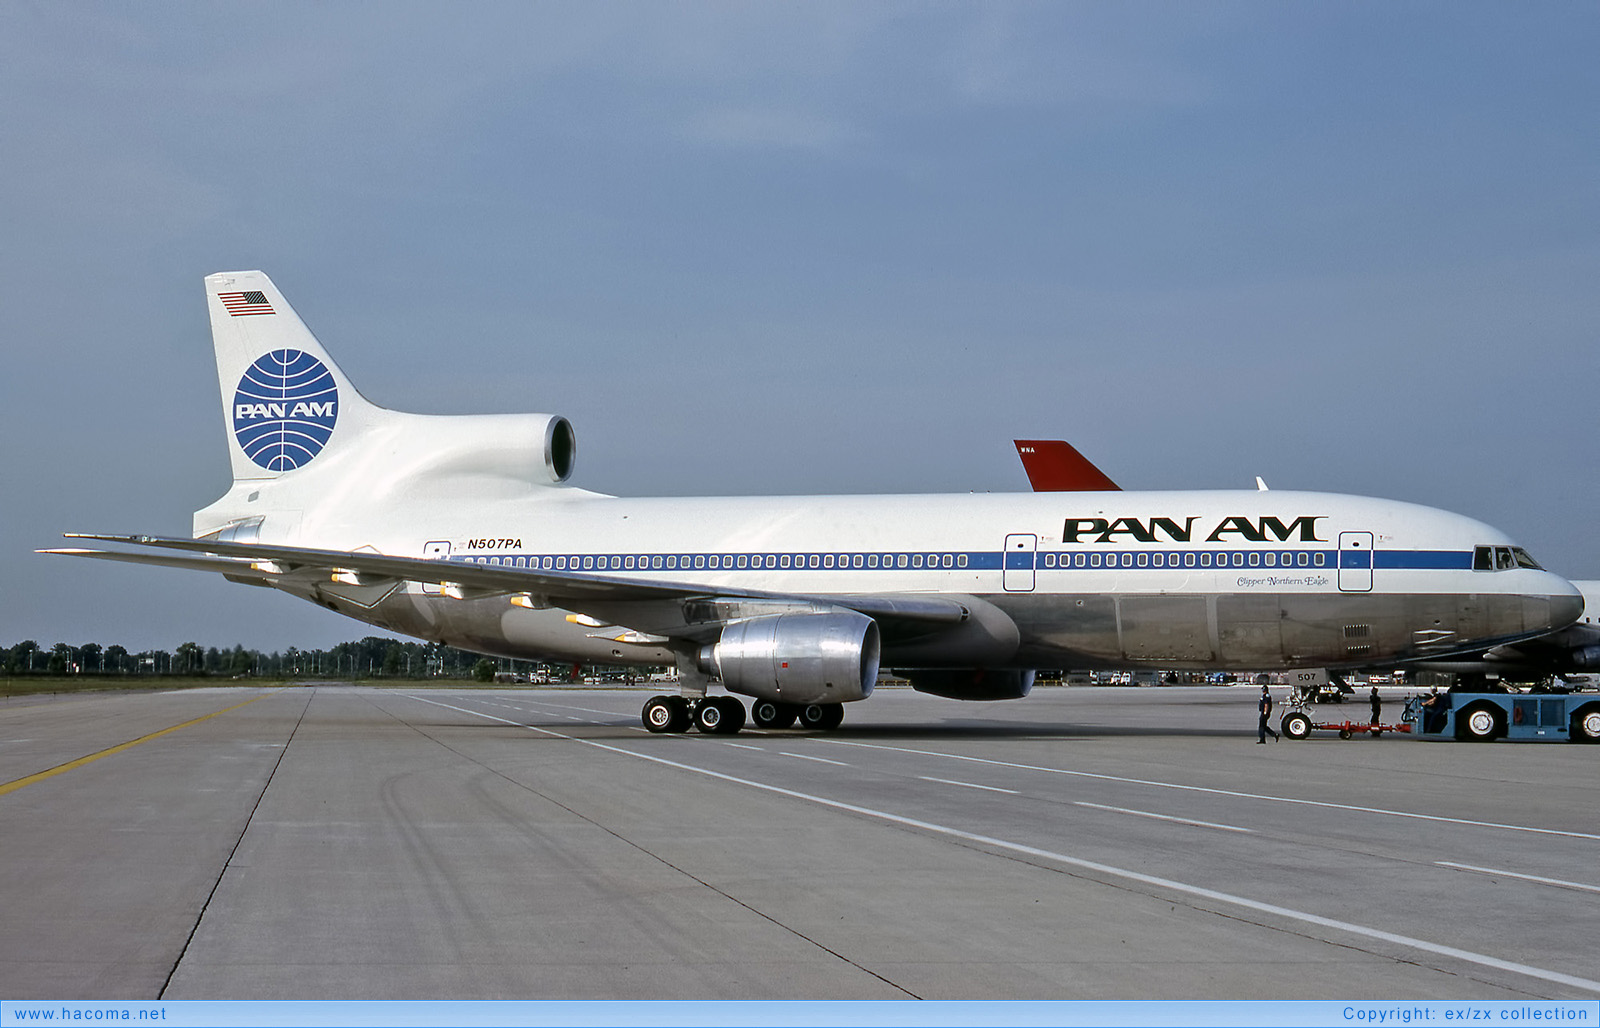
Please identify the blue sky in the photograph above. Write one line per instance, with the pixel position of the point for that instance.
(763, 248)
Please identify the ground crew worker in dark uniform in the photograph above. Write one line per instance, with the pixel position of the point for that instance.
(1377, 706)
(1264, 708)
(1434, 710)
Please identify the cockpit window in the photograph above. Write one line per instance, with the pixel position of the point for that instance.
(1502, 558)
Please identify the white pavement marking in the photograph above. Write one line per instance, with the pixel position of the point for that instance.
(820, 760)
(968, 785)
(1163, 817)
(1481, 959)
(1527, 878)
(586, 710)
(1219, 792)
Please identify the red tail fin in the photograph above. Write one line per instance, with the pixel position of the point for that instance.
(1054, 466)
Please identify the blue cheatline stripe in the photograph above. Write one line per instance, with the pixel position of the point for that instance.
(1450, 560)
(987, 560)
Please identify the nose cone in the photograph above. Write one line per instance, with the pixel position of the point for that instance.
(1560, 608)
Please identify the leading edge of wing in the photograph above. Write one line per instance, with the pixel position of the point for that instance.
(233, 568)
(554, 588)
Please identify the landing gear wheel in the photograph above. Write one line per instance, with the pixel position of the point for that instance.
(732, 714)
(708, 716)
(772, 714)
(1296, 726)
(1586, 725)
(719, 715)
(1479, 724)
(823, 716)
(666, 714)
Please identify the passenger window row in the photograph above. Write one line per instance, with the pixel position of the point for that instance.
(920, 561)
(1189, 559)
(729, 561)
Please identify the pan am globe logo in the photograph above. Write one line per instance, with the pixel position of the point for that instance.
(284, 409)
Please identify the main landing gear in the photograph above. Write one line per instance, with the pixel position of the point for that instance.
(724, 715)
(821, 716)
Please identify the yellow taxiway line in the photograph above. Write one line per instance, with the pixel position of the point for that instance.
(19, 783)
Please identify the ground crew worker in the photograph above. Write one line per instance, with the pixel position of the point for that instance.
(1264, 708)
(1377, 706)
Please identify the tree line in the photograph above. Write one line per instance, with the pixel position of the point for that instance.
(371, 657)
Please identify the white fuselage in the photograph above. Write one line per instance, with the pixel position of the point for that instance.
(1214, 579)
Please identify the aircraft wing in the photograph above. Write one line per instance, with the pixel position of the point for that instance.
(231, 568)
(579, 592)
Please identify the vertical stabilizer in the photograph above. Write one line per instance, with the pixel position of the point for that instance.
(1056, 466)
(284, 400)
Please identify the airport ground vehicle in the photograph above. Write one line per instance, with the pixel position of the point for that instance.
(1484, 717)
(1298, 725)
(1466, 716)
(1313, 686)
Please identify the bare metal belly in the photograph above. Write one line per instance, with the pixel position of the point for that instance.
(1219, 631)
(1264, 631)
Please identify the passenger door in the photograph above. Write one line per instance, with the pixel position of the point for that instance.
(1016, 573)
(1355, 562)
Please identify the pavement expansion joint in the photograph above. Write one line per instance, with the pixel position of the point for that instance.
(667, 863)
(227, 863)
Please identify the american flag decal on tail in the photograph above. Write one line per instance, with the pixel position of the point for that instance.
(241, 304)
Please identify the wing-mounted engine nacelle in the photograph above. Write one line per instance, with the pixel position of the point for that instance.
(973, 683)
(799, 658)
(1585, 658)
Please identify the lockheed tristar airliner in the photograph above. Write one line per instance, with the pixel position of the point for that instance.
(464, 530)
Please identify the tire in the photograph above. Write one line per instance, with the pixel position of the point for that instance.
(708, 716)
(732, 714)
(1345, 733)
(665, 714)
(718, 715)
(1296, 726)
(822, 716)
(1585, 724)
(1480, 723)
(772, 714)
